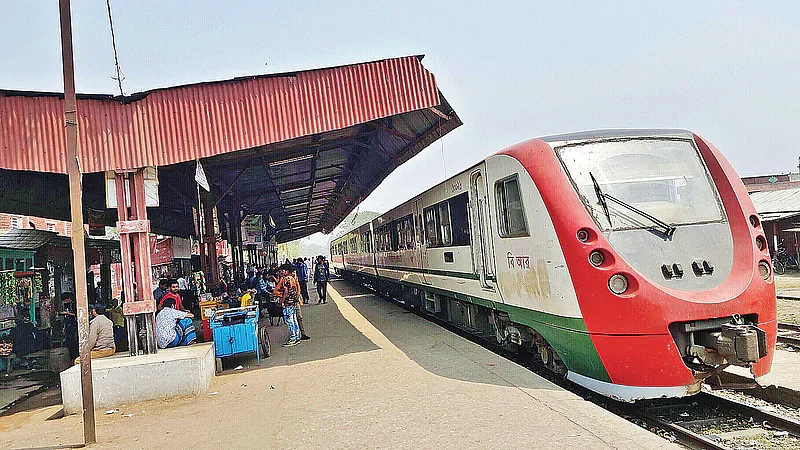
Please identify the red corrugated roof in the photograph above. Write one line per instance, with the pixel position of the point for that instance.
(172, 125)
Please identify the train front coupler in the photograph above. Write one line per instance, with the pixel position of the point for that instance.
(708, 346)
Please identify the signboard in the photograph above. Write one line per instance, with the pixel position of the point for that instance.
(251, 230)
(150, 188)
(160, 251)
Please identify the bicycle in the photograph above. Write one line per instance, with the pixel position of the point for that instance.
(783, 261)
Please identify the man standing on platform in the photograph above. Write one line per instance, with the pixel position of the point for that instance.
(321, 277)
(163, 288)
(288, 291)
(302, 278)
(173, 293)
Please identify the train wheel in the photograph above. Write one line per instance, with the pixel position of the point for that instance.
(551, 360)
(547, 356)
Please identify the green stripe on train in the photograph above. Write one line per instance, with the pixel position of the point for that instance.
(567, 335)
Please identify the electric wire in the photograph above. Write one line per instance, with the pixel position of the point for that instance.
(120, 76)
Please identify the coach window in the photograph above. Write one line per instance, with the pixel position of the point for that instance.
(444, 224)
(431, 227)
(509, 208)
(459, 219)
(410, 232)
(420, 230)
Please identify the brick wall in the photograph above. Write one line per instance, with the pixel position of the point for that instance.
(8, 221)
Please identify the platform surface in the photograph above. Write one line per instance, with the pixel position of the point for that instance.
(120, 378)
(372, 376)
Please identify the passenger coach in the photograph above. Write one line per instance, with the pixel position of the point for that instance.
(631, 261)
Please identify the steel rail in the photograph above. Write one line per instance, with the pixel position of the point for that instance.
(793, 329)
(759, 415)
(685, 436)
(788, 326)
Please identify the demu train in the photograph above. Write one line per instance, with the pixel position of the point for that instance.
(633, 261)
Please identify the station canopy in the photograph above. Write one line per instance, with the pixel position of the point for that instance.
(300, 149)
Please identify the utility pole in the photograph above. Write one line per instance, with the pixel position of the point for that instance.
(76, 208)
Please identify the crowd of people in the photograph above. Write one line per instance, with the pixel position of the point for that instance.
(282, 286)
(286, 287)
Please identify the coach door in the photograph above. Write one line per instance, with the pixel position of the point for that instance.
(420, 246)
(481, 231)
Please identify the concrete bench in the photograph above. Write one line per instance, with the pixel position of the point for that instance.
(124, 379)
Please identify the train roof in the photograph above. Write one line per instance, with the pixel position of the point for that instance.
(601, 135)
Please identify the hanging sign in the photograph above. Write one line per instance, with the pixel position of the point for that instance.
(251, 229)
(97, 222)
(200, 177)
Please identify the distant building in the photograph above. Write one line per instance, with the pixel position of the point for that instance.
(772, 182)
(20, 222)
(777, 201)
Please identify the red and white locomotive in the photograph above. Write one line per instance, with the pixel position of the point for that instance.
(633, 261)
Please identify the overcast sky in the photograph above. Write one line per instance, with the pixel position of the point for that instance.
(726, 70)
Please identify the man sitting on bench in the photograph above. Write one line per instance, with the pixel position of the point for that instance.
(101, 334)
(173, 327)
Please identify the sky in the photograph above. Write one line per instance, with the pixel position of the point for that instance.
(726, 70)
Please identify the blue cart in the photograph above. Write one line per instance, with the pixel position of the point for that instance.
(236, 331)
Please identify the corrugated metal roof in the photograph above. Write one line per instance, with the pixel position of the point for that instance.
(25, 239)
(780, 201)
(173, 125)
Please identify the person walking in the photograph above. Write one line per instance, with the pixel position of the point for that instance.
(321, 277)
(288, 291)
(302, 278)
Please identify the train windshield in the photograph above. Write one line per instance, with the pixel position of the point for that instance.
(633, 179)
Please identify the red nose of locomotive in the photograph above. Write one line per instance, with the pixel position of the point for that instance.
(676, 290)
(668, 318)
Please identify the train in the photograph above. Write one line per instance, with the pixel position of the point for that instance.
(632, 262)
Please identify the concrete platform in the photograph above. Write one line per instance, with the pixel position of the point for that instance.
(372, 376)
(122, 379)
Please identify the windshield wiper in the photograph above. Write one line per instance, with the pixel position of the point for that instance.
(602, 196)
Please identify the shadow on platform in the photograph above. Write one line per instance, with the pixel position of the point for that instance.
(434, 348)
(331, 336)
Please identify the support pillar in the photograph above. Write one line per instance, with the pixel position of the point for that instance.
(209, 240)
(134, 231)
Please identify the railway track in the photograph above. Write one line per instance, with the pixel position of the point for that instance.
(710, 421)
(789, 333)
(703, 421)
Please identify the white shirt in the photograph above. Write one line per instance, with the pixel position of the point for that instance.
(165, 326)
(182, 284)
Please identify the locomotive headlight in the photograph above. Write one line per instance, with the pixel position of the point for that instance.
(764, 270)
(618, 284)
(596, 258)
